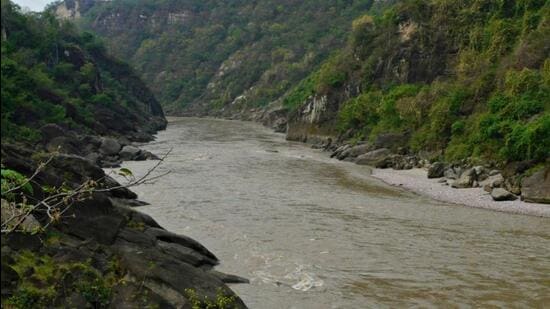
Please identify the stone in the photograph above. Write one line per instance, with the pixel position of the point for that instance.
(228, 278)
(93, 157)
(129, 153)
(479, 169)
(341, 152)
(536, 188)
(465, 180)
(436, 170)
(500, 194)
(375, 157)
(8, 210)
(109, 146)
(494, 172)
(337, 151)
(450, 173)
(494, 181)
(147, 155)
(356, 151)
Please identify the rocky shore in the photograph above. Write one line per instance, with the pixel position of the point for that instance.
(518, 187)
(416, 180)
(94, 249)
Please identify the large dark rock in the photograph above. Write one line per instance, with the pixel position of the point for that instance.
(356, 151)
(536, 188)
(109, 146)
(465, 180)
(494, 181)
(338, 151)
(436, 170)
(129, 153)
(500, 194)
(374, 158)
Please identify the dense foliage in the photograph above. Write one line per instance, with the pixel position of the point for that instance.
(469, 77)
(211, 52)
(53, 74)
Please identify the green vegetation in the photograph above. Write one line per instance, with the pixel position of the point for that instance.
(481, 88)
(222, 300)
(50, 73)
(210, 52)
(46, 280)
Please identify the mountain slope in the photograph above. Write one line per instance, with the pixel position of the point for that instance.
(53, 74)
(203, 55)
(460, 79)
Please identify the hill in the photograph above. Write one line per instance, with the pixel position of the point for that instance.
(201, 56)
(458, 79)
(52, 74)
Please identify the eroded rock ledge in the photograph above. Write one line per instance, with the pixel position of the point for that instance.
(102, 253)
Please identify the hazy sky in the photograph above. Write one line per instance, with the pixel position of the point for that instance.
(33, 5)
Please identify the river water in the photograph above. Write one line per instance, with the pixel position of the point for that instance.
(312, 232)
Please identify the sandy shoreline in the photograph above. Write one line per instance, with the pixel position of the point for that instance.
(416, 181)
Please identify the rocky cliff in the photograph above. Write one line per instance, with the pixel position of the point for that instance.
(71, 236)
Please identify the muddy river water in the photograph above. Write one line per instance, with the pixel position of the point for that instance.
(312, 232)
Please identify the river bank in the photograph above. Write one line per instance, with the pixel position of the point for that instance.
(72, 237)
(313, 232)
(416, 180)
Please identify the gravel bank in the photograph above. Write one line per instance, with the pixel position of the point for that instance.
(416, 181)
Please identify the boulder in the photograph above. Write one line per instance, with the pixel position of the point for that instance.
(494, 172)
(450, 173)
(129, 153)
(402, 162)
(356, 151)
(436, 170)
(93, 157)
(337, 153)
(109, 146)
(481, 173)
(494, 181)
(374, 158)
(147, 155)
(500, 194)
(536, 188)
(465, 180)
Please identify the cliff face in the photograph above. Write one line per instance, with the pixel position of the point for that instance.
(463, 79)
(219, 57)
(70, 235)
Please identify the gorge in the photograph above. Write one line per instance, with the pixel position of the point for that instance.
(389, 117)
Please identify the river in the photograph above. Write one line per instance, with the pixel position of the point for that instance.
(313, 232)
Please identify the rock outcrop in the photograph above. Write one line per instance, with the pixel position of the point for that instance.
(103, 241)
(536, 188)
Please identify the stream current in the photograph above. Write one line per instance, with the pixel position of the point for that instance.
(314, 232)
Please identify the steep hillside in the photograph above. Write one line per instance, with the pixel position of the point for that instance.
(53, 74)
(457, 79)
(205, 55)
(70, 238)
